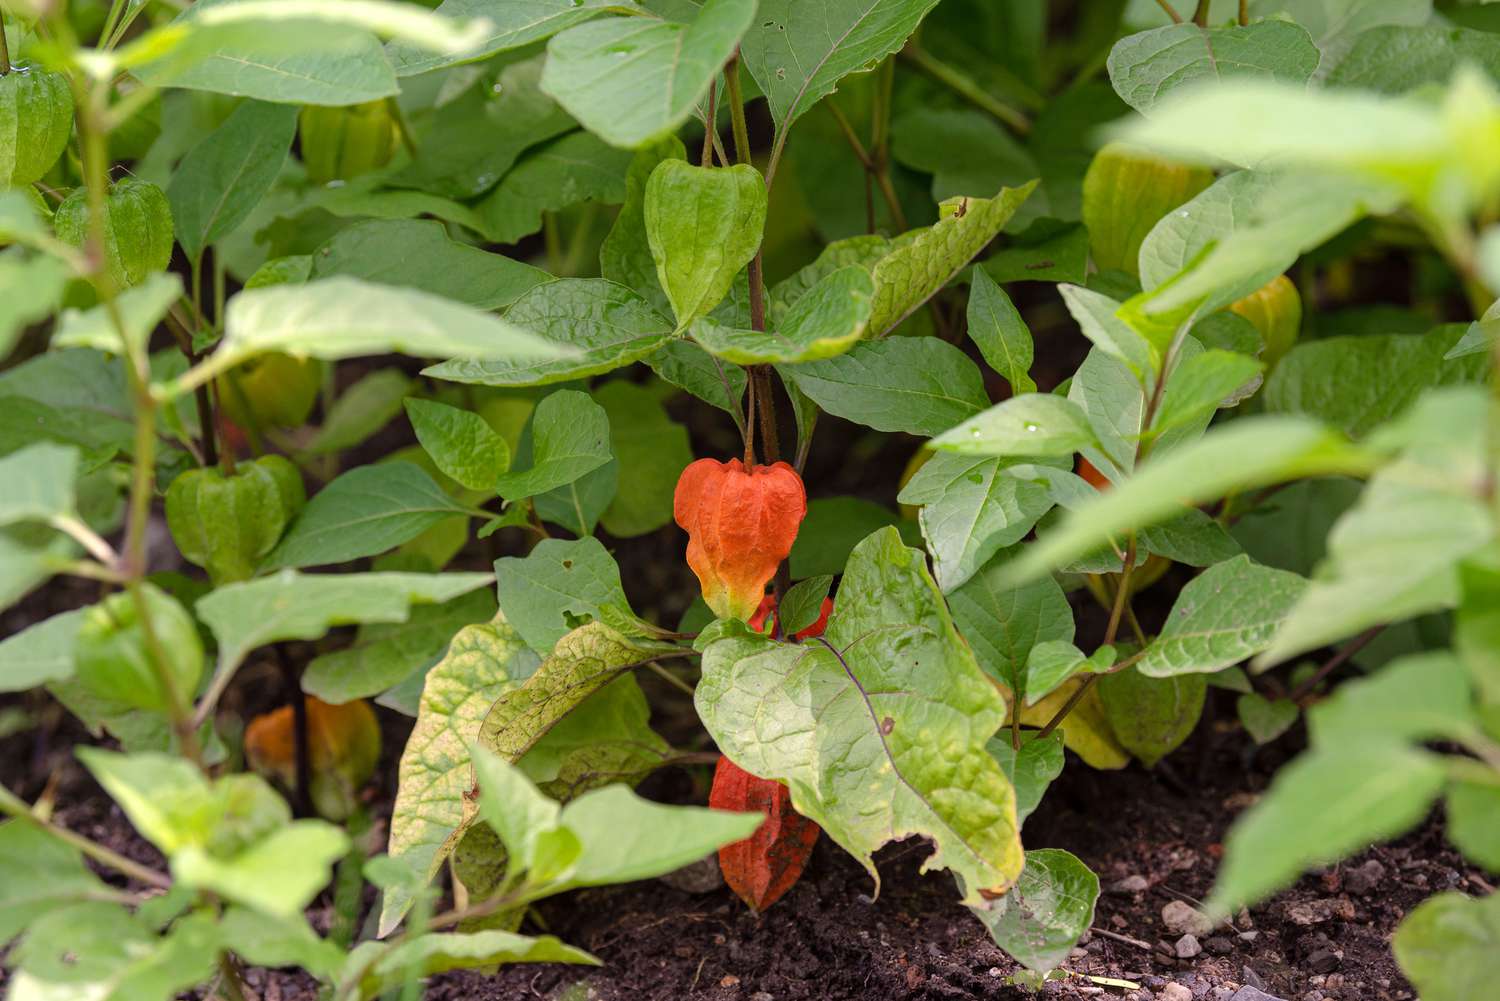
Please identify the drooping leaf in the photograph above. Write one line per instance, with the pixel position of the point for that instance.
(1052, 905)
(381, 970)
(920, 385)
(221, 180)
(365, 512)
(598, 326)
(625, 255)
(631, 80)
(888, 639)
(1227, 614)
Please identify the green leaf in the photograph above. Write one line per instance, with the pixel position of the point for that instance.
(360, 411)
(1040, 921)
(1226, 614)
(1394, 554)
(831, 530)
(625, 254)
(920, 385)
(631, 80)
(340, 317)
(1473, 812)
(1003, 623)
(265, 941)
(1047, 251)
(1357, 383)
(798, 54)
(1243, 455)
(652, 451)
(1151, 717)
(224, 177)
(511, 25)
(1324, 806)
(1417, 698)
(848, 722)
(597, 326)
(1290, 529)
(1449, 946)
(36, 483)
(1032, 424)
(482, 662)
(996, 327)
(438, 952)
(365, 512)
(1031, 768)
(429, 261)
(293, 606)
(387, 653)
(525, 820)
(971, 509)
(30, 289)
(99, 950)
(1097, 318)
(802, 605)
(825, 322)
(1147, 66)
(278, 875)
(1263, 719)
(703, 225)
(1396, 58)
(38, 873)
(693, 370)
(570, 437)
(578, 506)
(575, 168)
(967, 152)
(1202, 384)
(559, 585)
(40, 653)
(1052, 662)
(140, 308)
(461, 443)
(923, 261)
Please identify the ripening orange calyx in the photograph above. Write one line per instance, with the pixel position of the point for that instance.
(741, 524)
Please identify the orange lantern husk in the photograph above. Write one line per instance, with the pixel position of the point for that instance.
(765, 865)
(741, 524)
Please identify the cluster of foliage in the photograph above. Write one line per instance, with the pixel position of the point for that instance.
(204, 208)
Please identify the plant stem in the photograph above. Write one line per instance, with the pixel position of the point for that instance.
(229, 977)
(1200, 15)
(207, 426)
(4, 51)
(742, 155)
(710, 123)
(965, 87)
(1332, 664)
(1122, 595)
(300, 741)
(1171, 11)
(1244, 12)
(87, 538)
(16, 807)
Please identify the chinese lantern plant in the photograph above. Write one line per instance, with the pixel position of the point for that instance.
(775, 352)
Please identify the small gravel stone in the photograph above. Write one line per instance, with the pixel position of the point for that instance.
(1312, 912)
(1364, 878)
(1323, 961)
(1219, 945)
(1187, 947)
(1249, 993)
(761, 996)
(1175, 992)
(1184, 919)
(1130, 884)
(1252, 979)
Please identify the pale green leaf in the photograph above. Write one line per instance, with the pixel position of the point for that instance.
(1040, 921)
(1031, 767)
(1473, 812)
(1096, 317)
(516, 809)
(556, 587)
(1032, 424)
(630, 80)
(703, 225)
(1052, 662)
(140, 308)
(40, 653)
(920, 385)
(36, 483)
(461, 443)
(1202, 384)
(996, 326)
(625, 254)
(278, 875)
(31, 287)
(1226, 614)
(365, 512)
(38, 873)
(1449, 946)
(596, 325)
(575, 168)
(1420, 697)
(438, 952)
(1326, 805)
(511, 24)
(849, 721)
(360, 411)
(570, 437)
(825, 322)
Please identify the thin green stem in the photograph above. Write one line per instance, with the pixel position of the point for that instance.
(87, 538)
(18, 808)
(1200, 15)
(965, 87)
(742, 155)
(1171, 11)
(553, 242)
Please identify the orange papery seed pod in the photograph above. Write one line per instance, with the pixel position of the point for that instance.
(768, 605)
(769, 862)
(741, 524)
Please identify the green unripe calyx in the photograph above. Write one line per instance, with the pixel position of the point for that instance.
(338, 144)
(113, 654)
(1125, 193)
(36, 118)
(226, 523)
(137, 228)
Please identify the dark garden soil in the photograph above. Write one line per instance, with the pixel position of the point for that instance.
(1153, 838)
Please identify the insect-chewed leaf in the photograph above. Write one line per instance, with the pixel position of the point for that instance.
(878, 728)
